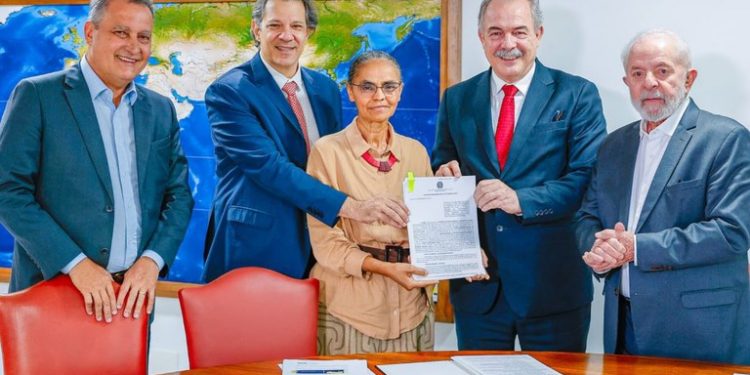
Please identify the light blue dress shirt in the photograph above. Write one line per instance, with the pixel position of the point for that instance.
(116, 127)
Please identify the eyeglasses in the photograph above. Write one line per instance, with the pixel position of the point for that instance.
(369, 88)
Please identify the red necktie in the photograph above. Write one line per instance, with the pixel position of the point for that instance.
(290, 89)
(504, 132)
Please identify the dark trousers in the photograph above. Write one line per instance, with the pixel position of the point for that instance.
(625, 333)
(497, 329)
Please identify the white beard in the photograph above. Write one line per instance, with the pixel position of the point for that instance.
(670, 104)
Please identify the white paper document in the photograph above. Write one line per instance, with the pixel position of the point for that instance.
(502, 364)
(325, 367)
(443, 227)
(428, 368)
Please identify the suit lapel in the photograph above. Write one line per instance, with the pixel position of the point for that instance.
(540, 91)
(265, 81)
(672, 155)
(482, 118)
(625, 155)
(143, 131)
(79, 100)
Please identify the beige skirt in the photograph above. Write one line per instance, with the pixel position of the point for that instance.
(336, 337)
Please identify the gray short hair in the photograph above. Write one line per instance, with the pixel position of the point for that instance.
(683, 50)
(536, 13)
(369, 56)
(98, 7)
(259, 10)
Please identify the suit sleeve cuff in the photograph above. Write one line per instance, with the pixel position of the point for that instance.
(68, 267)
(155, 257)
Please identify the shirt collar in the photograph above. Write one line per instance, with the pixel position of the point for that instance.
(522, 85)
(359, 145)
(281, 79)
(97, 88)
(668, 127)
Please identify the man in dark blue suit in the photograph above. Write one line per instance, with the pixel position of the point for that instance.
(679, 181)
(265, 116)
(530, 135)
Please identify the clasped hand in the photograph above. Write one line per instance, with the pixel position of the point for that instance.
(612, 248)
(95, 284)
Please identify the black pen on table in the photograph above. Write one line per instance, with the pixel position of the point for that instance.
(330, 371)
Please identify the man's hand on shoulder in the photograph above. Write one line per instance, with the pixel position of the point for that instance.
(95, 284)
(139, 286)
(495, 194)
(385, 210)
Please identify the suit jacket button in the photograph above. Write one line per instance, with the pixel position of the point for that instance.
(104, 251)
(108, 208)
(499, 228)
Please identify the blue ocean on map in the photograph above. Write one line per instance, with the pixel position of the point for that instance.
(32, 35)
(33, 42)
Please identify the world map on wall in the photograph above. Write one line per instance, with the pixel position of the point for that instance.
(195, 43)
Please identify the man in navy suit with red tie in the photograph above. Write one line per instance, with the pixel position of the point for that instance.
(530, 135)
(265, 116)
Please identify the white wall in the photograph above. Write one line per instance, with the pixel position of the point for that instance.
(586, 37)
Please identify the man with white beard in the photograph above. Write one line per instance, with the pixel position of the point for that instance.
(666, 220)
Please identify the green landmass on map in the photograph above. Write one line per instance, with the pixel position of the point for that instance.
(212, 37)
(333, 40)
(203, 21)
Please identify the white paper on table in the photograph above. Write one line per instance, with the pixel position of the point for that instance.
(443, 227)
(502, 364)
(323, 367)
(431, 368)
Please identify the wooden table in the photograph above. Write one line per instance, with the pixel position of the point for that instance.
(566, 363)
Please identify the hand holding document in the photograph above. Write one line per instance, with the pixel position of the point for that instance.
(443, 227)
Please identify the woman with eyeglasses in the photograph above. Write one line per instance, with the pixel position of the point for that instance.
(368, 299)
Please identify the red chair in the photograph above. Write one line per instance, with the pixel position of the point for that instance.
(250, 314)
(45, 330)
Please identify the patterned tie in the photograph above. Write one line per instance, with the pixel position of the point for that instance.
(290, 89)
(504, 132)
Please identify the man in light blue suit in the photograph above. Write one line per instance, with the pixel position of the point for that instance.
(265, 116)
(93, 181)
(666, 220)
(532, 149)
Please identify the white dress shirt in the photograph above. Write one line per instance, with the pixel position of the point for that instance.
(497, 95)
(116, 128)
(312, 126)
(650, 152)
